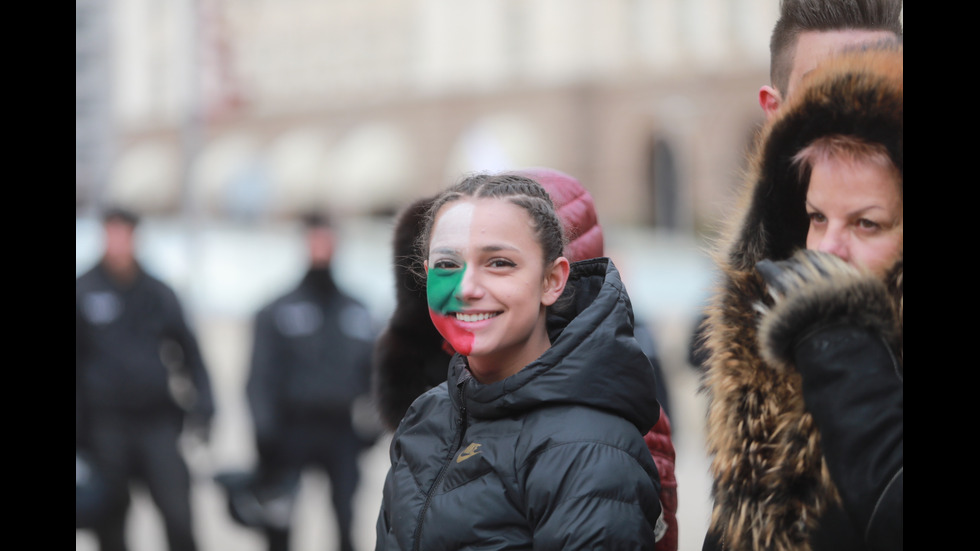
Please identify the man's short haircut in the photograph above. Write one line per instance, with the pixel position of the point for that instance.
(115, 213)
(316, 219)
(798, 16)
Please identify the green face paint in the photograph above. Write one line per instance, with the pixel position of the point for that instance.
(441, 286)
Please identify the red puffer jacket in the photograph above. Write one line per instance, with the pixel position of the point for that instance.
(410, 355)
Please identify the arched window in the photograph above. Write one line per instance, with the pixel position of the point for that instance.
(663, 183)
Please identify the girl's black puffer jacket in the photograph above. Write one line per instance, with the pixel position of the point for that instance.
(552, 457)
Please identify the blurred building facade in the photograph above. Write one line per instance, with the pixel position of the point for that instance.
(254, 109)
(231, 111)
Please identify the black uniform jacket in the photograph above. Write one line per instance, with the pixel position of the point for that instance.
(310, 355)
(552, 457)
(130, 341)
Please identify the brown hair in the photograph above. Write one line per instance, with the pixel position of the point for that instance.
(798, 16)
(845, 148)
(519, 190)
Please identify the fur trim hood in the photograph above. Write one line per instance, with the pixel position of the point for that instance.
(771, 484)
(858, 94)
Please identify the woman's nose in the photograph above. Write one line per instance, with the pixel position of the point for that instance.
(470, 286)
(834, 241)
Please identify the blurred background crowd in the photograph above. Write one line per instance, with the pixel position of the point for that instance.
(221, 121)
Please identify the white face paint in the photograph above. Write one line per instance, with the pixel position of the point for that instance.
(487, 287)
(454, 222)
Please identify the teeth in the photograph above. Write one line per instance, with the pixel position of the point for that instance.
(474, 317)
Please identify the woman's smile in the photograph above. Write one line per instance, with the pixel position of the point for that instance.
(475, 317)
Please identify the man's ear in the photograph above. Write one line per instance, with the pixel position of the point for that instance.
(554, 280)
(425, 265)
(769, 100)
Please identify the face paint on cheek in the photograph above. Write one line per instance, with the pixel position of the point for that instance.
(460, 339)
(441, 290)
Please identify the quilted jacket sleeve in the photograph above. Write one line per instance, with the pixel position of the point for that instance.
(592, 495)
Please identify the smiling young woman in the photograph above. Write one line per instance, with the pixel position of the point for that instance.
(528, 443)
(489, 287)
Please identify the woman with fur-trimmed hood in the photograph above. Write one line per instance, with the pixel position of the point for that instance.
(805, 330)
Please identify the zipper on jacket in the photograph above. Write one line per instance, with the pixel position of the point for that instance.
(442, 471)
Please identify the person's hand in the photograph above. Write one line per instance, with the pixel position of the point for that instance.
(785, 277)
(366, 421)
(814, 290)
(198, 428)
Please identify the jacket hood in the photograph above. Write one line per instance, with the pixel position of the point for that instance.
(594, 359)
(858, 94)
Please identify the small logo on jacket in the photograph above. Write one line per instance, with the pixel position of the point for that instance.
(469, 452)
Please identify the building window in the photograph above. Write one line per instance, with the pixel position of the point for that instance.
(663, 184)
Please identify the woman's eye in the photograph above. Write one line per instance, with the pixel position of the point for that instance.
(501, 263)
(866, 224)
(445, 264)
(816, 218)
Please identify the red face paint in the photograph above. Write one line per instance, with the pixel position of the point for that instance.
(442, 287)
(460, 339)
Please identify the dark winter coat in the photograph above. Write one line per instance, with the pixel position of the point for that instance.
(781, 480)
(552, 457)
(310, 356)
(131, 341)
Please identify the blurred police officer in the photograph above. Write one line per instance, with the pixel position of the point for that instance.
(132, 345)
(310, 367)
